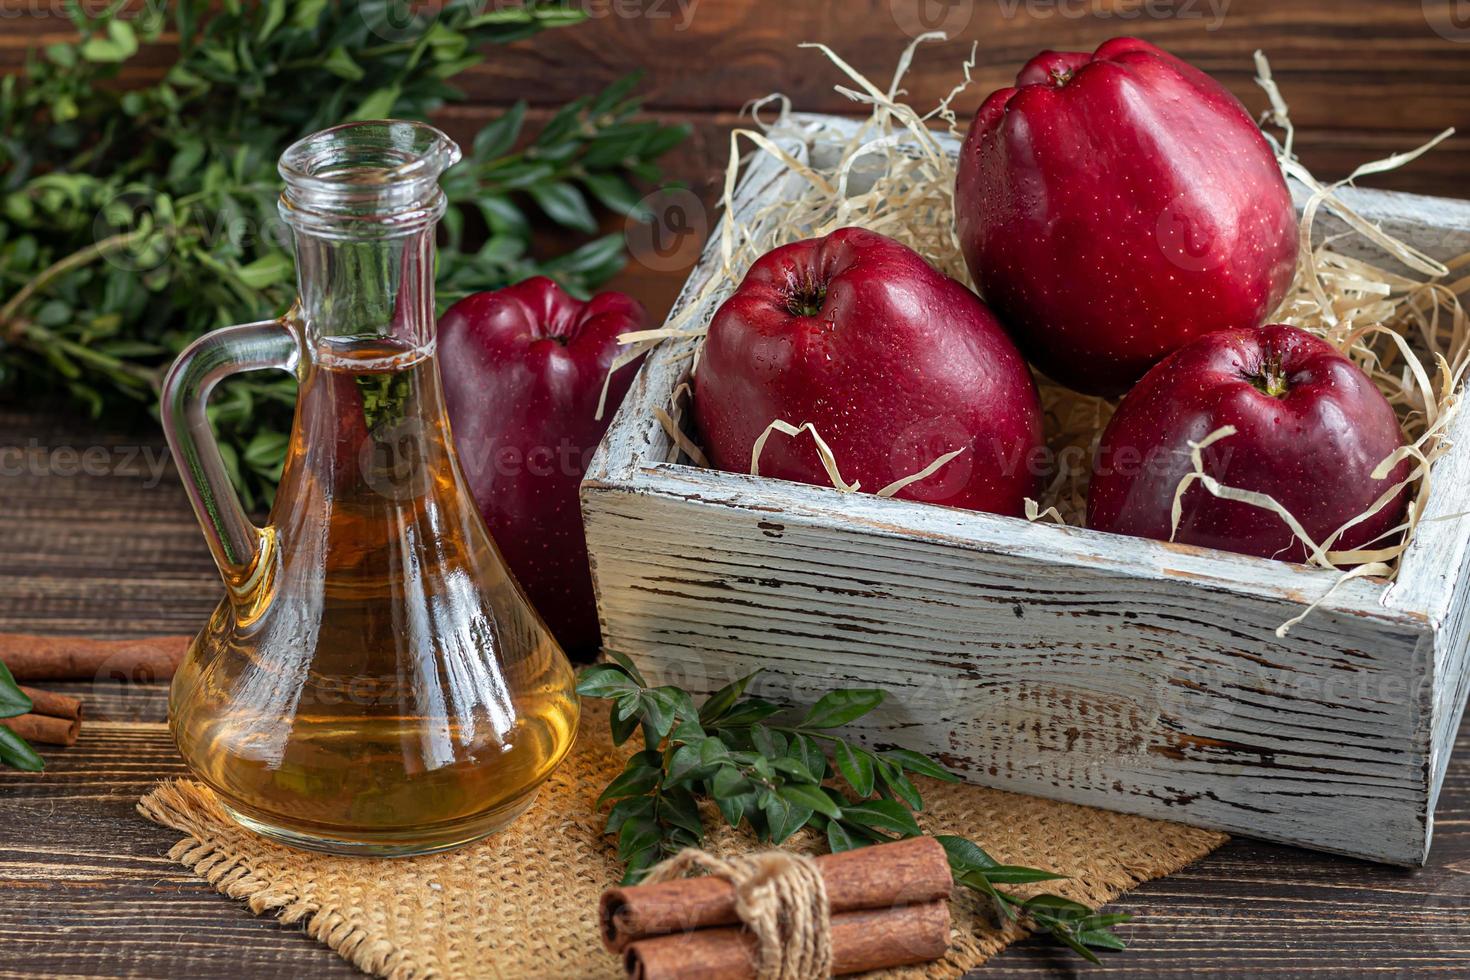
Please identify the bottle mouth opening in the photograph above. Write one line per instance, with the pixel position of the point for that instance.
(377, 178)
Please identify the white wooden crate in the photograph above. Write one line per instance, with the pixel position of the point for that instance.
(1134, 675)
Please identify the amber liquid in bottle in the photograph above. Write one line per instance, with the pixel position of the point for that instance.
(381, 686)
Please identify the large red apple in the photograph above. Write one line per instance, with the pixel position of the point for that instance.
(894, 363)
(1310, 430)
(523, 370)
(1113, 207)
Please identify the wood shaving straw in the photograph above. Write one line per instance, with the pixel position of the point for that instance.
(1406, 329)
(824, 452)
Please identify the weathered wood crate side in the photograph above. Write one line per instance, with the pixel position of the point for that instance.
(1116, 685)
(1134, 675)
(1435, 583)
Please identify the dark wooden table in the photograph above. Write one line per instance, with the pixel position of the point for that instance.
(102, 543)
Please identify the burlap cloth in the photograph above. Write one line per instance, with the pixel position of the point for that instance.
(523, 903)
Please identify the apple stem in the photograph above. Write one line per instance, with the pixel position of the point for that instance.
(1270, 380)
(806, 300)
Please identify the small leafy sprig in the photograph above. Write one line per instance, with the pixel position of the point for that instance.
(13, 749)
(778, 771)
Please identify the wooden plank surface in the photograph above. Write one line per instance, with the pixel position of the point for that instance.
(86, 889)
(85, 885)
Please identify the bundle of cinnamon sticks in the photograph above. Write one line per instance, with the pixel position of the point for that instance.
(889, 906)
(56, 719)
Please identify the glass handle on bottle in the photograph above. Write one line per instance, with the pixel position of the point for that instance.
(234, 541)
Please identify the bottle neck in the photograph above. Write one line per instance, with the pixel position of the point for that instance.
(359, 293)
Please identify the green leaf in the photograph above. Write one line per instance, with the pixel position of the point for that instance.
(679, 809)
(61, 54)
(604, 681)
(733, 808)
(916, 762)
(499, 137)
(1100, 939)
(885, 815)
(712, 751)
(265, 449)
(595, 262)
(506, 15)
(1054, 905)
(718, 704)
(268, 270)
(14, 752)
(856, 766)
(623, 728)
(810, 797)
(728, 781)
(275, 12)
(964, 855)
(622, 660)
(1066, 938)
(634, 781)
(639, 862)
(1000, 901)
(763, 739)
(638, 834)
(629, 705)
(686, 763)
(12, 700)
(565, 205)
(624, 810)
(306, 13)
(1010, 874)
(120, 44)
(660, 708)
(839, 708)
(839, 839)
(378, 104)
(804, 749)
(613, 192)
(749, 712)
(686, 728)
(795, 770)
(340, 63)
(783, 818)
(899, 784)
(101, 49)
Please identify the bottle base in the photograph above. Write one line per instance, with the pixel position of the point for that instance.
(398, 844)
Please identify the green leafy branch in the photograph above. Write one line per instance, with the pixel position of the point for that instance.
(134, 219)
(14, 751)
(777, 772)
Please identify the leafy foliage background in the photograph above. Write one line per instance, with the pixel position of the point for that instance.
(134, 219)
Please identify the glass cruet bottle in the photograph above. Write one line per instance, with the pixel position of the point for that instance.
(374, 681)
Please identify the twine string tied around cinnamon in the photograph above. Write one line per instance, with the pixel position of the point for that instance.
(781, 899)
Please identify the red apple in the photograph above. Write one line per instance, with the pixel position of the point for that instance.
(1310, 430)
(894, 364)
(523, 370)
(1113, 207)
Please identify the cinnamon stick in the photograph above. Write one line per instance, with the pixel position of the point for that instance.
(868, 940)
(44, 729)
(904, 872)
(70, 658)
(53, 704)
(54, 719)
